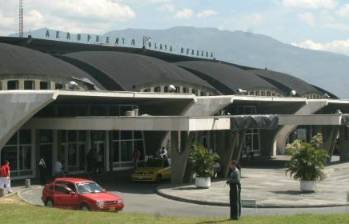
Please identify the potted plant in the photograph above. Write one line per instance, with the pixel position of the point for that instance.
(307, 162)
(203, 162)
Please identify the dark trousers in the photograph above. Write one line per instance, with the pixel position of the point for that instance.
(235, 202)
(43, 175)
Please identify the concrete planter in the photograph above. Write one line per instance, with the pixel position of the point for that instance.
(203, 182)
(307, 186)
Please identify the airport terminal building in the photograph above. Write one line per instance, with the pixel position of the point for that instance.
(61, 99)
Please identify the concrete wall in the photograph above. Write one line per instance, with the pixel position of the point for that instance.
(281, 136)
(17, 108)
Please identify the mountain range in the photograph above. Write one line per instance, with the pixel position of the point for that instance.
(324, 69)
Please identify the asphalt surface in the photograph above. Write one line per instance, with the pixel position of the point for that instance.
(141, 198)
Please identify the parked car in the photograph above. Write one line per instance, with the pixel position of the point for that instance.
(76, 193)
(153, 170)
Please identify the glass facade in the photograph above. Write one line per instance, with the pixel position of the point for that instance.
(18, 151)
(72, 150)
(123, 143)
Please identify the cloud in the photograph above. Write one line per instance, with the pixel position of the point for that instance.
(206, 13)
(336, 46)
(310, 4)
(344, 11)
(168, 7)
(101, 10)
(308, 18)
(184, 14)
(74, 16)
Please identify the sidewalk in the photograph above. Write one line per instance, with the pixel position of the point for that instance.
(15, 190)
(269, 188)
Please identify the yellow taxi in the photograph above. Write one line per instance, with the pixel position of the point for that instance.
(153, 170)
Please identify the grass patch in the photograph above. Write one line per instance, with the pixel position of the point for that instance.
(25, 214)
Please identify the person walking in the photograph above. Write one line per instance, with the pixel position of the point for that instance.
(43, 171)
(136, 157)
(59, 169)
(163, 153)
(235, 190)
(5, 176)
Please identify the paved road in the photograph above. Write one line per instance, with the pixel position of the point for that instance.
(141, 198)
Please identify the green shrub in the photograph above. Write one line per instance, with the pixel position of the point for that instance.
(203, 160)
(307, 159)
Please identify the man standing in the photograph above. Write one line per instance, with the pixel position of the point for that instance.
(235, 189)
(5, 176)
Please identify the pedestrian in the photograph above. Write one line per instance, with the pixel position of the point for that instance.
(43, 171)
(235, 190)
(59, 169)
(136, 157)
(5, 176)
(163, 153)
(90, 161)
(100, 161)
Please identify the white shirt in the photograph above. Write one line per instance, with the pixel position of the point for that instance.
(58, 167)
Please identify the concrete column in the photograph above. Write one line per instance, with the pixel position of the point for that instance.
(280, 138)
(35, 149)
(21, 84)
(267, 142)
(225, 142)
(344, 144)
(37, 84)
(329, 135)
(55, 147)
(4, 84)
(239, 141)
(180, 149)
(107, 150)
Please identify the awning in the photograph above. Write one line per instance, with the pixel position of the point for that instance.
(244, 122)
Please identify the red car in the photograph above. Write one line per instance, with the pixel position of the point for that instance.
(81, 194)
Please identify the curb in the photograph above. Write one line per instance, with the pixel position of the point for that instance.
(224, 204)
(19, 193)
(14, 192)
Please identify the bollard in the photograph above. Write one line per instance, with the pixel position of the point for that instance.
(27, 183)
(2, 192)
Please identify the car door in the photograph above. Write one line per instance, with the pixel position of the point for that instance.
(73, 200)
(66, 195)
(60, 195)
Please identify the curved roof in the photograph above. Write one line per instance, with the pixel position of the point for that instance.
(226, 78)
(17, 60)
(132, 70)
(286, 82)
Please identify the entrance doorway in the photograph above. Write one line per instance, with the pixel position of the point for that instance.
(98, 139)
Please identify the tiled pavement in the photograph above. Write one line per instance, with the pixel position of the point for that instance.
(270, 188)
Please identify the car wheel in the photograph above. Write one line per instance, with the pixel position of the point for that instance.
(49, 203)
(84, 207)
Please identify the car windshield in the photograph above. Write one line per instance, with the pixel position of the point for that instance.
(89, 187)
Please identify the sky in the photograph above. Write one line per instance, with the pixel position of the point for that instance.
(314, 24)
